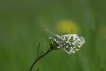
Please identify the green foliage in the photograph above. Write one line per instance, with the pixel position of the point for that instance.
(23, 24)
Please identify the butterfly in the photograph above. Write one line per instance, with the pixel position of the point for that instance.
(70, 43)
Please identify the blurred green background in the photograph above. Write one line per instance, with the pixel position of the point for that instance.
(22, 28)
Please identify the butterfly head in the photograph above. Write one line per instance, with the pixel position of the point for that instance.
(55, 42)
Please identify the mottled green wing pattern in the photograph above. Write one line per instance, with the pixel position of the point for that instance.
(71, 43)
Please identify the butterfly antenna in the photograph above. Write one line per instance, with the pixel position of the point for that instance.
(50, 31)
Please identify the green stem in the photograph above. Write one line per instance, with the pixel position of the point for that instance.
(36, 60)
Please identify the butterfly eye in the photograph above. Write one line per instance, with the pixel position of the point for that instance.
(56, 39)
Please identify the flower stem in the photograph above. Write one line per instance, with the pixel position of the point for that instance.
(37, 59)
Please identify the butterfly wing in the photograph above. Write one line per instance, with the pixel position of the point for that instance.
(71, 42)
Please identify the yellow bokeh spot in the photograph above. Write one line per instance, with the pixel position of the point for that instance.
(67, 27)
